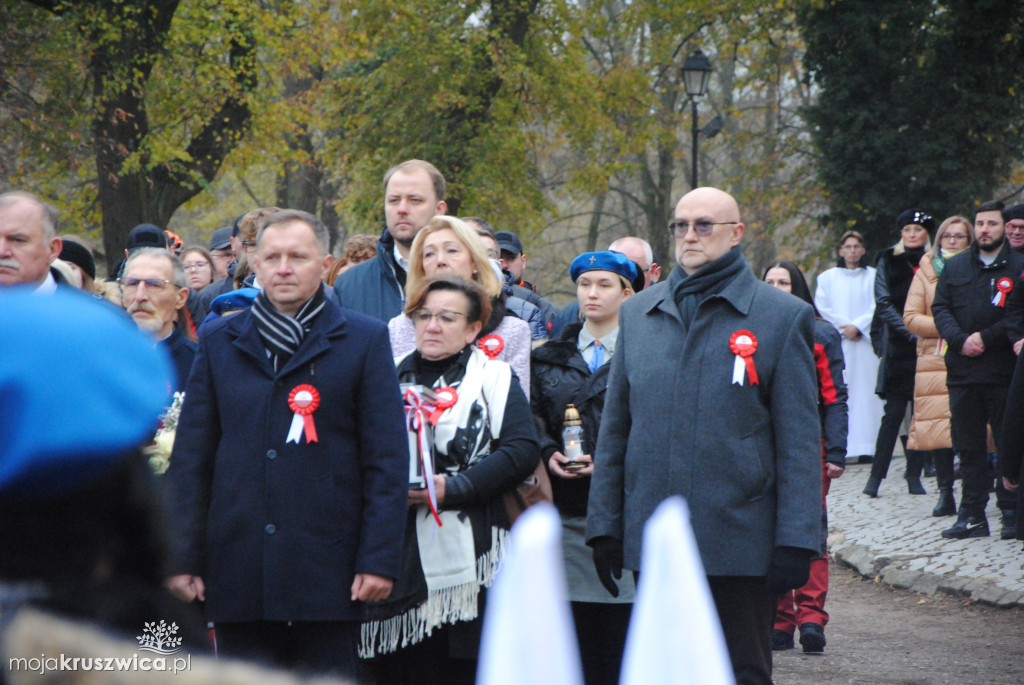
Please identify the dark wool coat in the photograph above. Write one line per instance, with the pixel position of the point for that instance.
(374, 287)
(747, 458)
(182, 352)
(278, 530)
(560, 377)
(897, 347)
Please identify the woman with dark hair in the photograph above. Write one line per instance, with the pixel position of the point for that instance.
(198, 267)
(483, 444)
(896, 345)
(571, 370)
(805, 607)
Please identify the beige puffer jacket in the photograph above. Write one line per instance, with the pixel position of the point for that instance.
(929, 429)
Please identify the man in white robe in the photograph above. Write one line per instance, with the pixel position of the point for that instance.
(845, 297)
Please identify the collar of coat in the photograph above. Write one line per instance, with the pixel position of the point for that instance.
(739, 293)
(562, 349)
(1000, 260)
(330, 323)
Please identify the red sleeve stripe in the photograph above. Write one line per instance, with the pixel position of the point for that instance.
(825, 383)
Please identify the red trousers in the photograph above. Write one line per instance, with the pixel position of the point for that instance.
(807, 604)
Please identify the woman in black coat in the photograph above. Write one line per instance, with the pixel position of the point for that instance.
(897, 347)
(572, 369)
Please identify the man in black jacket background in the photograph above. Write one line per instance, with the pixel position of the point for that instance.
(970, 313)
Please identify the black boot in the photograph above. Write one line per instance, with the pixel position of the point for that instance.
(915, 462)
(871, 488)
(1009, 529)
(946, 506)
(929, 464)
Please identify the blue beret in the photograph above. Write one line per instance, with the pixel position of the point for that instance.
(616, 262)
(79, 386)
(234, 299)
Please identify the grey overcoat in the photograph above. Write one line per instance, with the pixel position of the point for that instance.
(747, 458)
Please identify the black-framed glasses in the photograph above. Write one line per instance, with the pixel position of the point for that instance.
(445, 317)
(702, 228)
(151, 283)
(249, 246)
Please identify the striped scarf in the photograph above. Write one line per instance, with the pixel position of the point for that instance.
(282, 334)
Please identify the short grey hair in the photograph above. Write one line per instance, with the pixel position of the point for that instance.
(320, 234)
(49, 212)
(177, 268)
(648, 252)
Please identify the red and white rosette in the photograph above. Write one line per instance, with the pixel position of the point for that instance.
(743, 344)
(1003, 287)
(444, 398)
(492, 345)
(416, 421)
(303, 400)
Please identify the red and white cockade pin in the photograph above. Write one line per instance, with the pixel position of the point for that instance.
(743, 344)
(1003, 287)
(444, 398)
(303, 400)
(492, 345)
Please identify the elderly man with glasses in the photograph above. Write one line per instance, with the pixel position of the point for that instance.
(735, 430)
(155, 292)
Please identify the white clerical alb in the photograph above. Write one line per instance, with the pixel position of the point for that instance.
(847, 297)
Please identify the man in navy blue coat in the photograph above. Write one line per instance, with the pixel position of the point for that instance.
(287, 484)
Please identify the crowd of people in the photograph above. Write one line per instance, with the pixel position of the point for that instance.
(338, 499)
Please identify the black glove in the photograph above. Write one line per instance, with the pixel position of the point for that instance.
(608, 561)
(789, 569)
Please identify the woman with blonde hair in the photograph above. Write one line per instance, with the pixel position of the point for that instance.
(447, 245)
(929, 429)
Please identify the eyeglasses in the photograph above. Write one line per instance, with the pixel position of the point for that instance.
(223, 255)
(702, 228)
(957, 236)
(197, 266)
(130, 284)
(249, 246)
(445, 317)
(1014, 228)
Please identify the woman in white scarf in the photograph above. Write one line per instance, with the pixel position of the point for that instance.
(484, 443)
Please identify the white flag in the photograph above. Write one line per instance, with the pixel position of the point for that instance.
(674, 634)
(528, 636)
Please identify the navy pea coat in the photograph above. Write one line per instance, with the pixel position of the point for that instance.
(747, 458)
(278, 530)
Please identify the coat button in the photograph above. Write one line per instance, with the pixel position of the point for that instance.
(270, 528)
(271, 454)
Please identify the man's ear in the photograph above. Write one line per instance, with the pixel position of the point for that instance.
(737, 234)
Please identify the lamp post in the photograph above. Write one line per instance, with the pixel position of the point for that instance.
(696, 73)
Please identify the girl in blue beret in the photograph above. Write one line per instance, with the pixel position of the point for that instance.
(572, 369)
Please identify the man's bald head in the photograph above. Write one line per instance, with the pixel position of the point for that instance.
(639, 251)
(706, 206)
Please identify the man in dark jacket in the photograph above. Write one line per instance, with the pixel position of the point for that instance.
(970, 313)
(288, 481)
(155, 295)
(413, 194)
(736, 430)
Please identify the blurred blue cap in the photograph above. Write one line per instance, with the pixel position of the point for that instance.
(79, 386)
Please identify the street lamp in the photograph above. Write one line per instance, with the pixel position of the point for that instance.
(696, 73)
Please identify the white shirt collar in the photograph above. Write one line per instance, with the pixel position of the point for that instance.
(402, 261)
(47, 287)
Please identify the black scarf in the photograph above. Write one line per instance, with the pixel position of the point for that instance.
(282, 334)
(689, 291)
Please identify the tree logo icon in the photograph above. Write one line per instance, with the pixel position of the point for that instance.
(159, 638)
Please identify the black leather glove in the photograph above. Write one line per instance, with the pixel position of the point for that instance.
(608, 561)
(789, 569)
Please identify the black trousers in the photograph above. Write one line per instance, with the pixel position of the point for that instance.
(888, 431)
(314, 647)
(746, 611)
(601, 632)
(973, 408)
